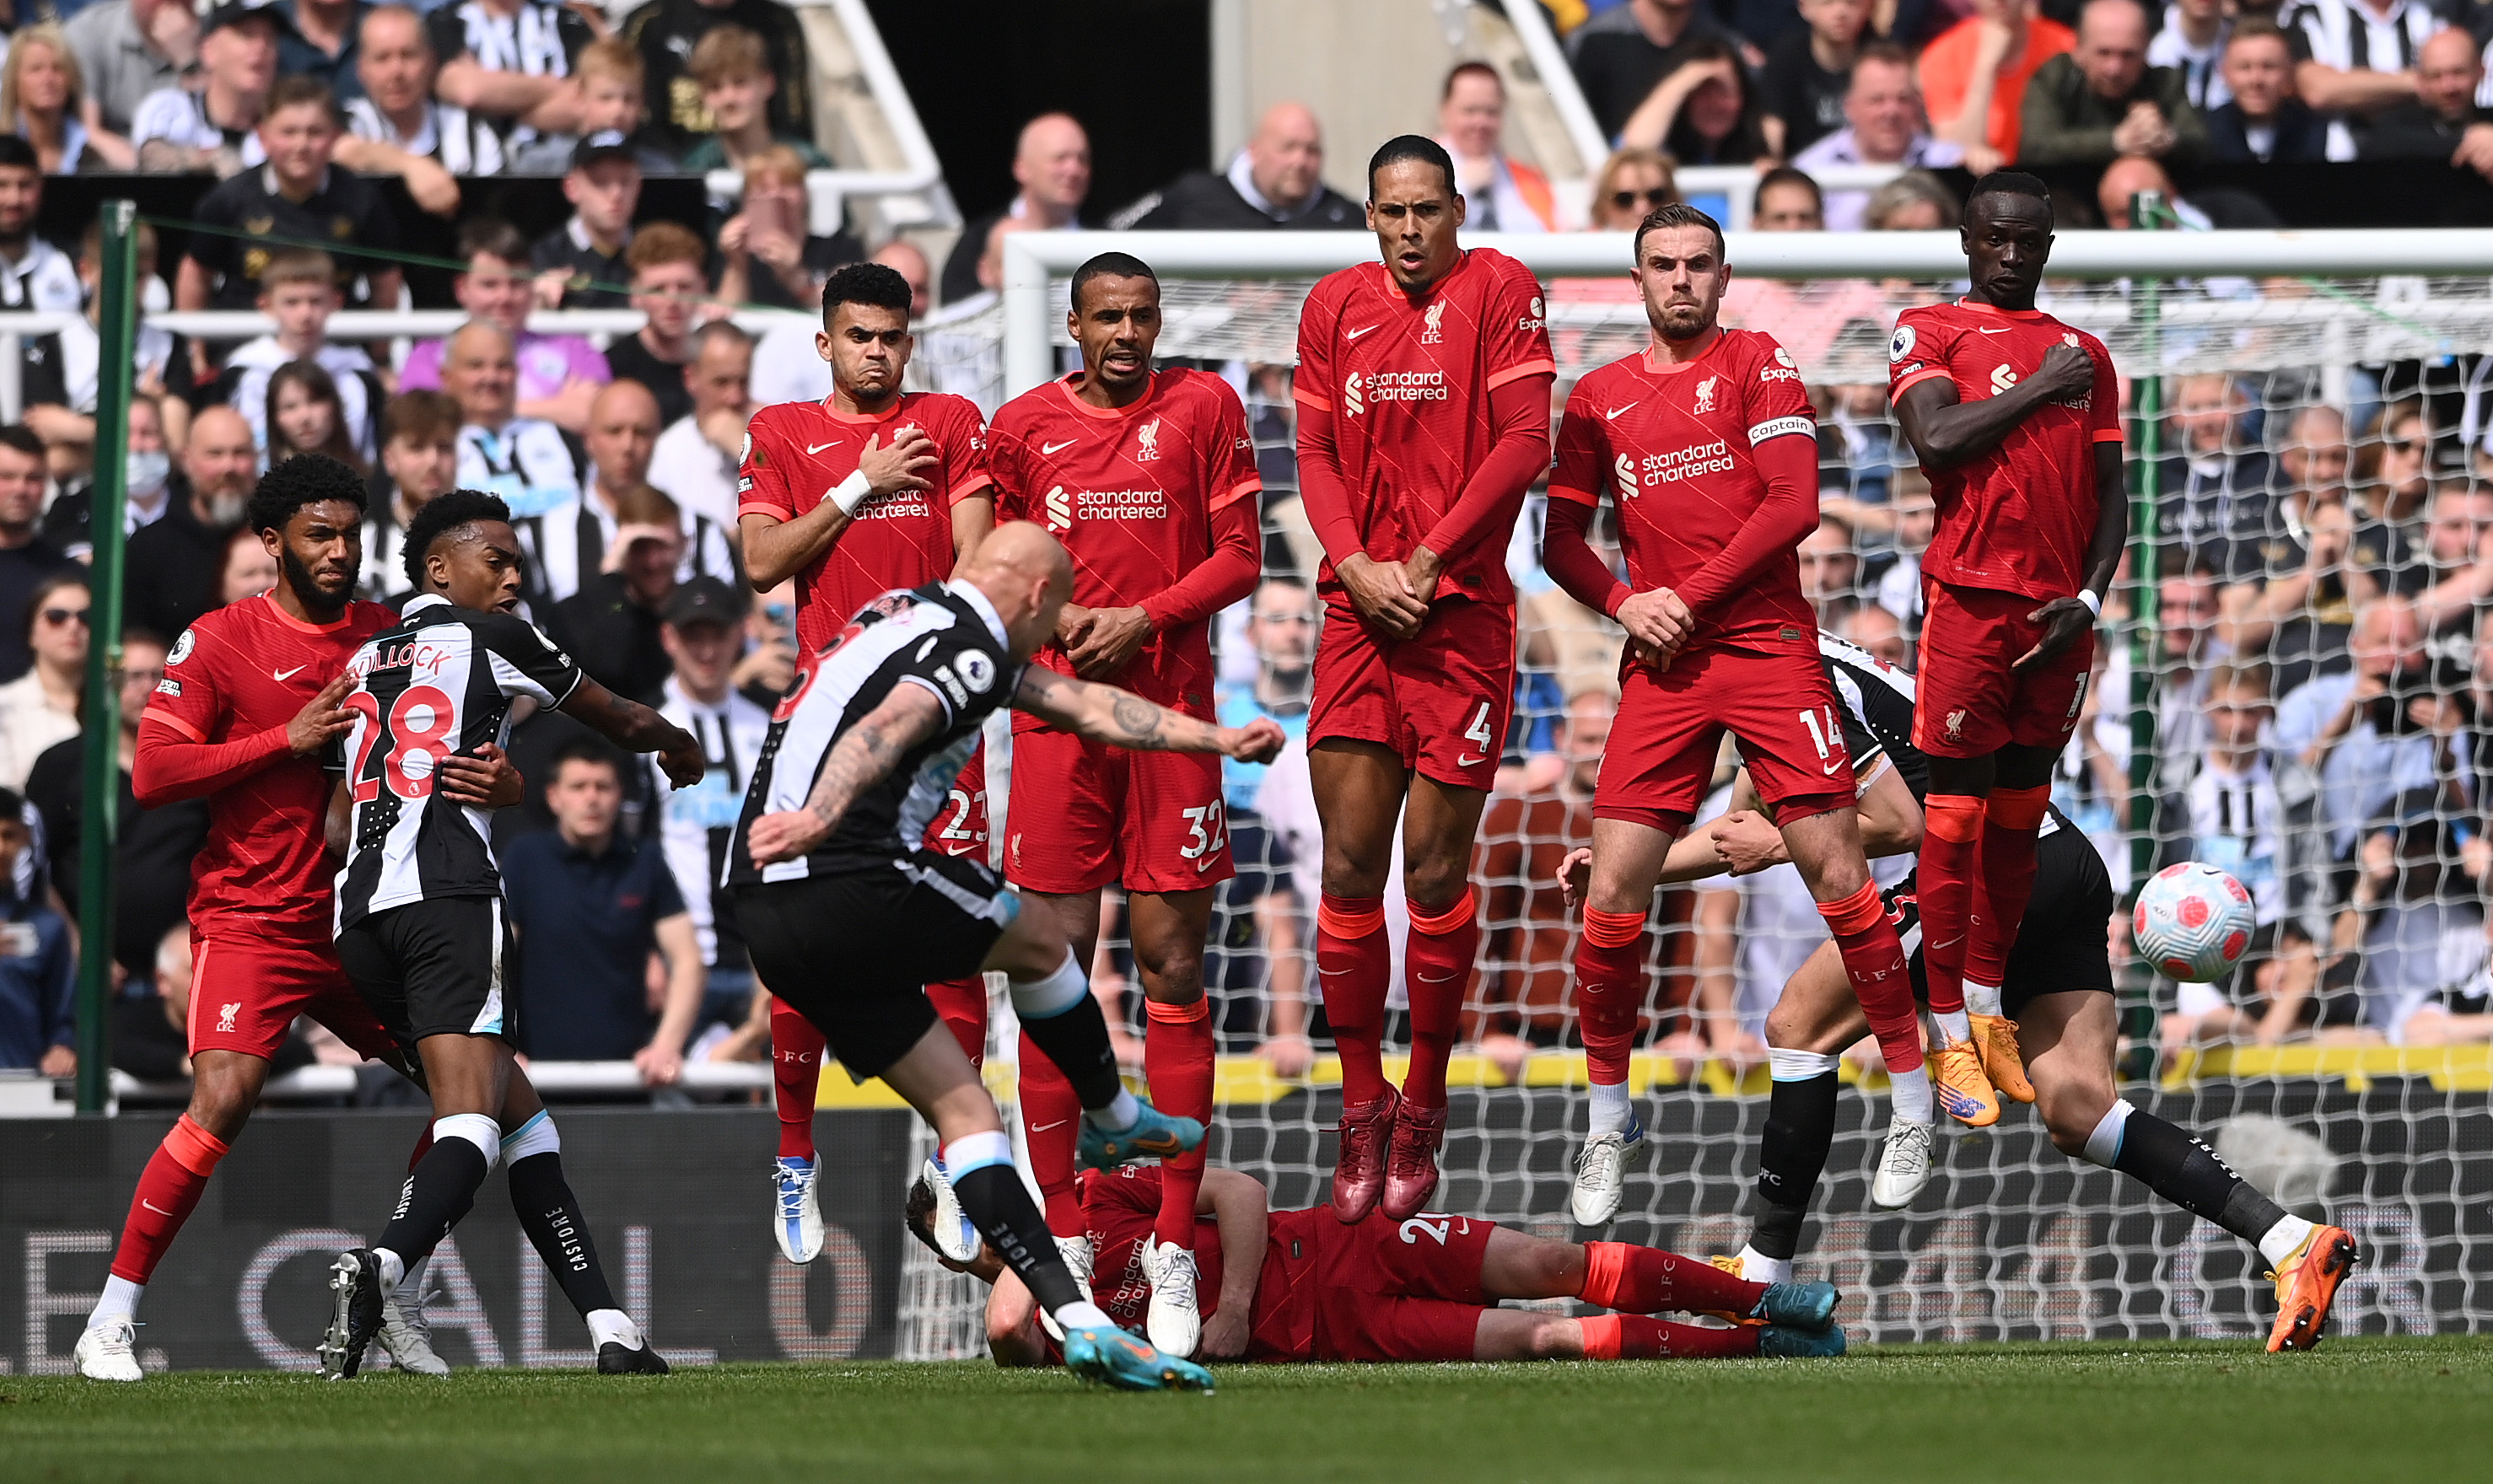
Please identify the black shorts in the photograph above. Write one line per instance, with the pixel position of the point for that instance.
(434, 968)
(2060, 946)
(853, 952)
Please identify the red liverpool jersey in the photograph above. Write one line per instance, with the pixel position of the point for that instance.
(2019, 517)
(1133, 494)
(236, 677)
(1674, 447)
(798, 452)
(1409, 386)
(1119, 1208)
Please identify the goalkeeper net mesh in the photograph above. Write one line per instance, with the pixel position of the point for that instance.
(2318, 477)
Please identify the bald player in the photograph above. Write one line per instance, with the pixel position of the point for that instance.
(847, 915)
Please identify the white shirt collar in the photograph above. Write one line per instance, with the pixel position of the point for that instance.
(423, 601)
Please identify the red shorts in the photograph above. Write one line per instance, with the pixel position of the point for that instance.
(1968, 699)
(1440, 700)
(1408, 1290)
(247, 987)
(960, 826)
(1660, 761)
(1086, 813)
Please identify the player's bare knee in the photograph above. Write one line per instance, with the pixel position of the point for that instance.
(2070, 1111)
(1556, 1339)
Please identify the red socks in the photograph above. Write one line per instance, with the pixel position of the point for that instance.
(1610, 985)
(1647, 1279)
(1943, 891)
(1177, 1061)
(1634, 1337)
(1874, 960)
(1442, 950)
(796, 1076)
(169, 1189)
(1353, 960)
(962, 1003)
(1051, 1120)
(2010, 816)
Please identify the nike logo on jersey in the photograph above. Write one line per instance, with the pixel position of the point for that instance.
(282, 675)
(1989, 330)
(1461, 761)
(1613, 412)
(1046, 448)
(153, 1207)
(1041, 1128)
(1352, 335)
(1832, 763)
(816, 448)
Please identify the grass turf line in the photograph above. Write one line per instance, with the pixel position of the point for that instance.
(2205, 1413)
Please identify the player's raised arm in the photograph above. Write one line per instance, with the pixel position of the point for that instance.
(175, 761)
(1946, 432)
(631, 726)
(776, 547)
(863, 756)
(1104, 713)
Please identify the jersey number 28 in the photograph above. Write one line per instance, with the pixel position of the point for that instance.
(422, 720)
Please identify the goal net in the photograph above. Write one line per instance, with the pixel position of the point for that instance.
(2307, 433)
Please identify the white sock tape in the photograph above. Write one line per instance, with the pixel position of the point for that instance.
(1790, 1066)
(1040, 999)
(2103, 1145)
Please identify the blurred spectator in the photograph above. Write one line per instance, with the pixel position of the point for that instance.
(63, 370)
(2354, 60)
(667, 32)
(2186, 609)
(2192, 43)
(703, 631)
(152, 848)
(304, 416)
(2102, 101)
(2364, 730)
(1808, 72)
(610, 96)
(319, 40)
(522, 458)
(1276, 181)
(2444, 119)
(1705, 112)
(510, 62)
(298, 196)
(38, 965)
(1500, 195)
(248, 571)
(694, 460)
(903, 258)
(1805, 316)
(2261, 118)
(2214, 486)
(589, 908)
(1052, 167)
(611, 623)
(2419, 921)
(1633, 184)
(419, 460)
(26, 559)
(769, 253)
(1254, 959)
(40, 707)
(122, 60)
(42, 101)
(1875, 630)
(2130, 176)
(664, 261)
(2390, 474)
(1788, 202)
(395, 128)
(1528, 937)
(1912, 202)
(1974, 77)
(732, 69)
(151, 1015)
(1881, 125)
(1830, 571)
(559, 374)
(216, 128)
(580, 264)
(1622, 56)
(298, 289)
(34, 274)
(1900, 587)
(146, 488)
(173, 568)
(572, 541)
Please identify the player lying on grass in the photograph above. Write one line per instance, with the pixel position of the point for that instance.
(2058, 1003)
(1424, 1288)
(847, 916)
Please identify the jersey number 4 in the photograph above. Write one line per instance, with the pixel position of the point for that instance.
(422, 720)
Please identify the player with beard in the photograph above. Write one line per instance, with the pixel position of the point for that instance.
(2016, 418)
(1423, 415)
(1706, 444)
(249, 702)
(1148, 479)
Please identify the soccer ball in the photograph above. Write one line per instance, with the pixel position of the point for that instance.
(2193, 922)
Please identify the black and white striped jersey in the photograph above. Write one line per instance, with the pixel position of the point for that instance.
(945, 637)
(439, 682)
(1878, 716)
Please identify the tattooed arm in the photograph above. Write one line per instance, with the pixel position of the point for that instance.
(631, 726)
(1104, 713)
(864, 755)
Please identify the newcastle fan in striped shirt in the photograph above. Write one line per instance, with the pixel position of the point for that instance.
(419, 903)
(847, 914)
(2057, 994)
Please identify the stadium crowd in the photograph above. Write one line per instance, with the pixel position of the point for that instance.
(2324, 545)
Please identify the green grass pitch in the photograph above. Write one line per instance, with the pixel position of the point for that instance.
(2418, 1410)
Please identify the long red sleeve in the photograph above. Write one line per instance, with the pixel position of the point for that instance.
(1520, 412)
(1782, 521)
(1229, 574)
(1322, 490)
(172, 767)
(1571, 562)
